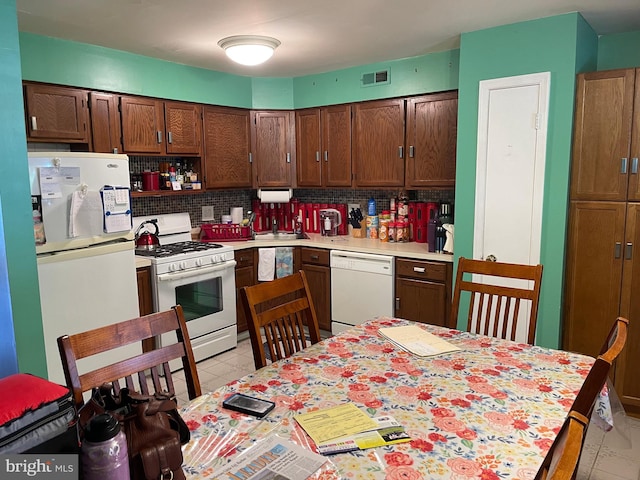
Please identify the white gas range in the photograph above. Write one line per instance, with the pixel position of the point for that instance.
(198, 276)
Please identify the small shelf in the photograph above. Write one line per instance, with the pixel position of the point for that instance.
(166, 193)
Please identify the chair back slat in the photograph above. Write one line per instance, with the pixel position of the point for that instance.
(136, 372)
(280, 311)
(495, 310)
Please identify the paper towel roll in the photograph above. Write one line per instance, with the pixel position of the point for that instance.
(236, 215)
(274, 196)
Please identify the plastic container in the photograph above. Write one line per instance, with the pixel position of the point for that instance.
(104, 450)
(371, 207)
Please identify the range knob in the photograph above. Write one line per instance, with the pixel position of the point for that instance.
(198, 262)
(173, 267)
(215, 259)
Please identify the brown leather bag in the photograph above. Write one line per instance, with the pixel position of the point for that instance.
(153, 445)
(153, 427)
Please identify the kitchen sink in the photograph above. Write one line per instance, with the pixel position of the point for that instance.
(280, 236)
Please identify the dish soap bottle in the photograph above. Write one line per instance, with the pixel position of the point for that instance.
(371, 207)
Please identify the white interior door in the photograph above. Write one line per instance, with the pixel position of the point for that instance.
(512, 130)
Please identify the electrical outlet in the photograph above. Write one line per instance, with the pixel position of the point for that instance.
(207, 213)
(355, 206)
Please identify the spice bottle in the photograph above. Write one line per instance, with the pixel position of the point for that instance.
(392, 232)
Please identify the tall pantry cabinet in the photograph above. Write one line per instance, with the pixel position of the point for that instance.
(603, 257)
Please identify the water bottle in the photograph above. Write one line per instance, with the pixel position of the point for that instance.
(104, 450)
(371, 207)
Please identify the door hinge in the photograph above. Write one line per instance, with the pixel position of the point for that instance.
(537, 121)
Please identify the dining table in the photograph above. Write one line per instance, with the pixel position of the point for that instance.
(490, 410)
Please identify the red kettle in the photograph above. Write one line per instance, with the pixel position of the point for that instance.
(147, 240)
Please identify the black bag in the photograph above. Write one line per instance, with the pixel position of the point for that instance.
(153, 427)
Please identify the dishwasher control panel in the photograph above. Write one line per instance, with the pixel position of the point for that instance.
(363, 262)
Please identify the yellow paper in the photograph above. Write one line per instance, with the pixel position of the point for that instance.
(417, 341)
(346, 419)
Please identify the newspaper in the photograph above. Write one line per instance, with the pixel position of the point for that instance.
(273, 459)
(417, 340)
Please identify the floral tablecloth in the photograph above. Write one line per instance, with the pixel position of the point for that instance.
(488, 411)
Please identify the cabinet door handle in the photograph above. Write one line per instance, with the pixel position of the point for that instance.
(315, 257)
(419, 269)
(242, 259)
(628, 251)
(159, 136)
(288, 157)
(34, 123)
(250, 158)
(326, 155)
(617, 251)
(401, 151)
(115, 150)
(170, 137)
(411, 151)
(317, 156)
(397, 303)
(623, 165)
(634, 165)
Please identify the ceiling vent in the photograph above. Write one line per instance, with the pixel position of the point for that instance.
(375, 78)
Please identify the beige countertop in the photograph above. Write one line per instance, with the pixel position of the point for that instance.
(142, 262)
(343, 242)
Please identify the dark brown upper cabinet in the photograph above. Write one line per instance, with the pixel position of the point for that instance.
(432, 122)
(227, 141)
(273, 148)
(151, 126)
(378, 143)
(56, 114)
(105, 123)
(323, 146)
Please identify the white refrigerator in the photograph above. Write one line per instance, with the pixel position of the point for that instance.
(84, 246)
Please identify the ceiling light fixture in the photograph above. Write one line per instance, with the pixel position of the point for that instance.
(249, 49)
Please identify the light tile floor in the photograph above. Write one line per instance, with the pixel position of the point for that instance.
(613, 455)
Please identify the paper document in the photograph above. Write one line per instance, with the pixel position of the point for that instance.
(387, 432)
(417, 341)
(272, 458)
(340, 421)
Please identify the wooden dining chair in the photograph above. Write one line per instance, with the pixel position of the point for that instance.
(152, 365)
(597, 376)
(494, 310)
(561, 462)
(277, 313)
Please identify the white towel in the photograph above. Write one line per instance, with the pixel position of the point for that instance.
(85, 214)
(266, 264)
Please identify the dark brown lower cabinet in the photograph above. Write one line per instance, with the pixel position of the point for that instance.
(246, 275)
(315, 264)
(145, 293)
(602, 278)
(423, 291)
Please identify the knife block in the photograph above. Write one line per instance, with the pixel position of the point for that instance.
(359, 232)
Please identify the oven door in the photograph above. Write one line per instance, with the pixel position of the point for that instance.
(208, 298)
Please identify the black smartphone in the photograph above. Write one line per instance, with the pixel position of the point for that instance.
(249, 405)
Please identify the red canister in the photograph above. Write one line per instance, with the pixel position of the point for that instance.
(150, 181)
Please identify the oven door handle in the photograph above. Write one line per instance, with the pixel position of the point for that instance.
(167, 277)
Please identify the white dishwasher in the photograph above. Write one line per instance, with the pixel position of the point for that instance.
(361, 288)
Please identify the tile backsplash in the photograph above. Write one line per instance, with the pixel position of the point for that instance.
(223, 200)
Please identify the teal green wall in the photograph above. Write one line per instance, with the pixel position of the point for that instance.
(548, 44)
(18, 249)
(409, 76)
(52, 60)
(619, 51)
(272, 93)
